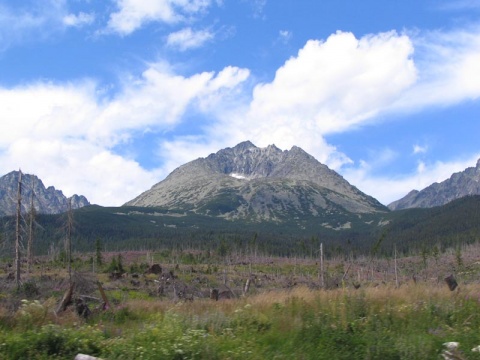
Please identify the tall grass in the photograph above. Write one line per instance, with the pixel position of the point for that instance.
(411, 322)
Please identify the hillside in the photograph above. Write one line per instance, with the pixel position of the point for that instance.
(137, 228)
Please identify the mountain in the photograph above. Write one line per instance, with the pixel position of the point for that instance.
(45, 200)
(261, 184)
(460, 184)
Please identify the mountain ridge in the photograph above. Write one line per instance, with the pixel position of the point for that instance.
(458, 185)
(46, 200)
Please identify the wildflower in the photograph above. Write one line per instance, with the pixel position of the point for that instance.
(476, 349)
(451, 346)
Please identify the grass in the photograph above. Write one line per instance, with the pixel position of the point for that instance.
(411, 322)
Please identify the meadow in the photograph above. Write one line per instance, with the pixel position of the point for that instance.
(366, 309)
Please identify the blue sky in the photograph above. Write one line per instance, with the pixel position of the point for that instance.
(105, 98)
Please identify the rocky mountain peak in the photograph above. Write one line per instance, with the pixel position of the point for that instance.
(262, 182)
(45, 200)
(460, 184)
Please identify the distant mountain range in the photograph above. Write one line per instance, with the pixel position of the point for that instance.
(45, 200)
(243, 194)
(460, 184)
(261, 184)
(254, 184)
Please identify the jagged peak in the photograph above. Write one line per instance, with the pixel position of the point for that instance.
(299, 150)
(47, 200)
(244, 145)
(273, 147)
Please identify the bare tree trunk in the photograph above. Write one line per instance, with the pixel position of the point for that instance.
(247, 286)
(31, 220)
(69, 240)
(396, 275)
(17, 232)
(321, 274)
(66, 300)
(106, 303)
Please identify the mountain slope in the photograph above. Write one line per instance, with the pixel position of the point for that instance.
(45, 200)
(254, 183)
(460, 184)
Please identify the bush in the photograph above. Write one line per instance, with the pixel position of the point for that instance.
(50, 341)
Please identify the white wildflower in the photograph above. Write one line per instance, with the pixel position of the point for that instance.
(451, 346)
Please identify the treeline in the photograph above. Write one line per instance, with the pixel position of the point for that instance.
(454, 224)
(129, 228)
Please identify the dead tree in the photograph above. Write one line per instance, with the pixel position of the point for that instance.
(17, 231)
(66, 300)
(321, 273)
(31, 221)
(68, 240)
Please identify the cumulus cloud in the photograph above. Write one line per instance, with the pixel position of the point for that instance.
(330, 86)
(342, 83)
(66, 135)
(133, 14)
(187, 38)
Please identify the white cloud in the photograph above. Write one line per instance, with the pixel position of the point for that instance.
(132, 14)
(328, 87)
(186, 39)
(336, 84)
(66, 135)
(78, 20)
(449, 64)
(340, 84)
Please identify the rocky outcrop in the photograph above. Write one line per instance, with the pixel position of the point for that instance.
(45, 200)
(262, 183)
(460, 184)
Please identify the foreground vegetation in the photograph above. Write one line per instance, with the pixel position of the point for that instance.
(375, 323)
(372, 312)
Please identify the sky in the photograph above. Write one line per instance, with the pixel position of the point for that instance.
(106, 98)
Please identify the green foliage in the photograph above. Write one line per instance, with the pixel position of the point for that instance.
(116, 265)
(342, 324)
(165, 338)
(31, 313)
(29, 289)
(50, 342)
